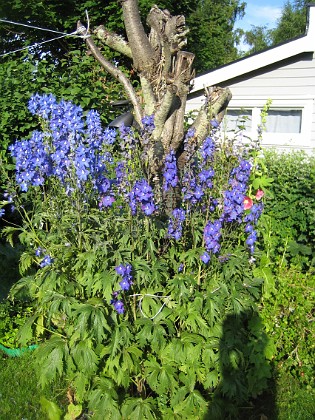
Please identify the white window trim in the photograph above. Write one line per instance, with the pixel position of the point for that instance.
(279, 139)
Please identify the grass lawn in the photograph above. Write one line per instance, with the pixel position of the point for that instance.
(19, 392)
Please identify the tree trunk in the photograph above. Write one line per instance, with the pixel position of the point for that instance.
(165, 73)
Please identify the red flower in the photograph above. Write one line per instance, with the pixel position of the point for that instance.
(248, 203)
(259, 194)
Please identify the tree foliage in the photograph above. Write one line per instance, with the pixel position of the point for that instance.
(292, 23)
(207, 20)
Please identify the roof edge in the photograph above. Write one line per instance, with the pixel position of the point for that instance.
(298, 45)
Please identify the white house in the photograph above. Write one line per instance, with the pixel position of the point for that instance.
(286, 75)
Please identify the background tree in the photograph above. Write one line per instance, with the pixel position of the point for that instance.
(258, 38)
(212, 35)
(292, 23)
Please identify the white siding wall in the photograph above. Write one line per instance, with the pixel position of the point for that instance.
(289, 84)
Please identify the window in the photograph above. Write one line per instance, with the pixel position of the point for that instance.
(284, 121)
(238, 119)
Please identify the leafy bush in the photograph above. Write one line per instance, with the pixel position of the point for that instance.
(288, 223)
(143, 289)
(288, 314)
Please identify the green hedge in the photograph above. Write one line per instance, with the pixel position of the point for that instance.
(288, 224)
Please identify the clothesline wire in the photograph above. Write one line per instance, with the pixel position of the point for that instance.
(33, 27)
(38, 43)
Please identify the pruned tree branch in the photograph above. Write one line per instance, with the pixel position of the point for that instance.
(112, 40)
(115, 72)
(165, 73)
(214, 108)
(142, 51)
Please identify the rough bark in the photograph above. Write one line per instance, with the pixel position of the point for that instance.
(165, 73)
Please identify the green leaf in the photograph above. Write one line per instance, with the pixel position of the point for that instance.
(73, 412)
(84, 357)
(137, 408)
(51, 409)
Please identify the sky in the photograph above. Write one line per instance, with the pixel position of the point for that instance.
(261, 13)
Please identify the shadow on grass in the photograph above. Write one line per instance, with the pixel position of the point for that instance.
(247, 390)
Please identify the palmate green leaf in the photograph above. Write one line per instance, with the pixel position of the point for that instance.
(144, 331)
(50, 408)
(194, 406)
(26, 261)
(103, 285)
(103, 400)
(212, 378)
(84, 357)
(26, 335)
(81, 383)
(188, 378)
(137, 408)
(104, 407)
(179, 396)
(51, 356)
(114, 370)
(196, 324)
(90, 321)
(26, 286)
(9, 232)
(161, 378)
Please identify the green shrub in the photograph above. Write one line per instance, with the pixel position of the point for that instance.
(149, 311)
(288, 223)
(288, 314)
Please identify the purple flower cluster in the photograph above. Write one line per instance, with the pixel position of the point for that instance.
(170, 171)
(125, 284)
(142, 195)
(148, 124)
(234, 198)
(66, 149)
(212, 235)
(251, 220)
(192, 190)
(207, 149)
(47, 260)
(175, 226)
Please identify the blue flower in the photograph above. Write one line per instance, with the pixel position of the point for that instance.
(170, 171)
(119, 306)
(47, 260)
(120, 269)
(175, 225)
(212, 236)
(2, 212)
(205, 257)
(148, 123)
(106, 201)
(142, 195)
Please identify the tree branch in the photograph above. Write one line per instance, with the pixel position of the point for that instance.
(115, 72)
(216, 103)
(112, 40)
(142, 52)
